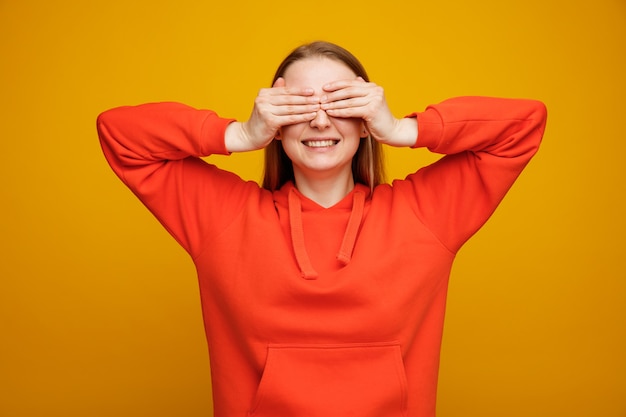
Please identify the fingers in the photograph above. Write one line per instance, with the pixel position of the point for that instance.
(352, 98)
(281, 106)
(287, 105)
(279, 89)
(288, 101)
(348, 89)
(351, 86)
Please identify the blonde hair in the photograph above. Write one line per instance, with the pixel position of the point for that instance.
(367, 163)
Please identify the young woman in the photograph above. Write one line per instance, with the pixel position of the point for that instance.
(323, 292)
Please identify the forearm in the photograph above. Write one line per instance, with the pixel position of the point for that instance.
(140, 135)
(502, 127)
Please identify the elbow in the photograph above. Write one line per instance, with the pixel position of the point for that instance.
(538, 118)
(107, 118)
(539, 113)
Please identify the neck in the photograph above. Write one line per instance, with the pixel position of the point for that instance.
(325, 191)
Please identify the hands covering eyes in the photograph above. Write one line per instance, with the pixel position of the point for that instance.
(282, 106)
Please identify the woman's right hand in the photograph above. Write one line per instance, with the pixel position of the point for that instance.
(273, 108)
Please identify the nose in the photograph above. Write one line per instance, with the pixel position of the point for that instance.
(321, 120)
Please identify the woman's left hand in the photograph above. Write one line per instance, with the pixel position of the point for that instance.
(365, 100)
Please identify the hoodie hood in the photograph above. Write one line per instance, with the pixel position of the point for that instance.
(338, 225)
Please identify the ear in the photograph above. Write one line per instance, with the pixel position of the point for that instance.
(364, 132)
(280, 82)
(279, 134)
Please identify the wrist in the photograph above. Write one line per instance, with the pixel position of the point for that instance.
(406, 132)
(235, 138)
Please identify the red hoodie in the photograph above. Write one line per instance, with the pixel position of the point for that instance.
(322, 312)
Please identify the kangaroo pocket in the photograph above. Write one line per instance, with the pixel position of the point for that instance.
(361, 380)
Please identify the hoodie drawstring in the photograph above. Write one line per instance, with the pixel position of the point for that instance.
(297, 233)
(297, 236)
(349, 237)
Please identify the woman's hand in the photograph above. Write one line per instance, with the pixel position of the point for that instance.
(273, 108)
(363, 100)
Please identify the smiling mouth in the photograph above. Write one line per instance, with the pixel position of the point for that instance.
(320, 143)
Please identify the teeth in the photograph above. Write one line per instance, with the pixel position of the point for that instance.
(319, 143)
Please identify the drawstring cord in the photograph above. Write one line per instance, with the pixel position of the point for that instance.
(297, 236)
(297, 232)
(354, 223)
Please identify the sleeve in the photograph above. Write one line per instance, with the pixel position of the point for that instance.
(155, 149)
(487, 142)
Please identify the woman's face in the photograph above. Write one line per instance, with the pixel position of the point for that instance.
(324, 146)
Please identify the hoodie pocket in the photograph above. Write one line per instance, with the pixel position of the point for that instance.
(361, 380)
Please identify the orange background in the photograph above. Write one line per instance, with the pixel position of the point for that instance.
(99, 309)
